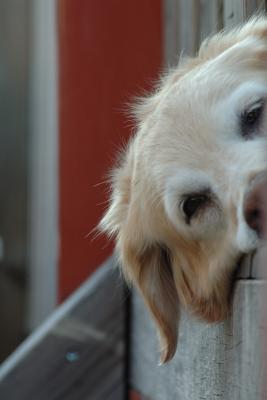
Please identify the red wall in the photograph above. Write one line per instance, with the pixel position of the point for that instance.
(108, 52)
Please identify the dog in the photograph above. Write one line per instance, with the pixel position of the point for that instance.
(185, 204)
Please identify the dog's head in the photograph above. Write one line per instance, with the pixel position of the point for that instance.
(181, 207)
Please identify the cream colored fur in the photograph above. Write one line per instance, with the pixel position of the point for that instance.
(187, 137)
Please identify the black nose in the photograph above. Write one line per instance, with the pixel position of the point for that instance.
(254, 205)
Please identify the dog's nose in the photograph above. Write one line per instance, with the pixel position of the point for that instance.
(253, 214)
(254, 204)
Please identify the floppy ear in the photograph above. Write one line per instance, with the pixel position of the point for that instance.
(144, 263)
(149, 268)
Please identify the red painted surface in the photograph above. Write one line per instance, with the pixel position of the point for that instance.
(135, 396)
(108, 52)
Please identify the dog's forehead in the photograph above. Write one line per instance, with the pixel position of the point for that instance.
(200, 88)
(200, 102)
(188, 111)
(218, 77)
(196, 119)
(199, 128)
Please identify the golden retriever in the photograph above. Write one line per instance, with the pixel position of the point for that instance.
(183, 207)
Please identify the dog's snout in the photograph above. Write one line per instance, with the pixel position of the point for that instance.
(254, 204)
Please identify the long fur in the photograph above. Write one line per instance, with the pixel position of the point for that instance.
(177, 129)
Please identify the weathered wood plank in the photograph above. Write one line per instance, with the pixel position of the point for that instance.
(171, 32)
(79, 353)
(187, 23)
(189, 26)
(237, 11)
(233, 12)
(258, 268)
(211, 18)
(212, 361)
(253, 6)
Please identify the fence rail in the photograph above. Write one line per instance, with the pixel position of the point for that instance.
(79, 352)
(212, 361)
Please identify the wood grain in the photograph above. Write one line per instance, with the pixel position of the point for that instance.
(219, 361)
(79, 353)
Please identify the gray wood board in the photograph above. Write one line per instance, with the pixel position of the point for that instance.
(252, 265)
(79, 353)
(220, 361)
(236, 11)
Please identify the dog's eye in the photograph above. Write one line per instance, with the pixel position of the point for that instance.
(192, 204)
(250, 120)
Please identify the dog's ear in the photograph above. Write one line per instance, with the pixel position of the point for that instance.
(150, 269)
(144, 263)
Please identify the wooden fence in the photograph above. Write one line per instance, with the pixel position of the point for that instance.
(86, 351)
(96, 345)
(79, 352)
(188, 22)
(221, 361)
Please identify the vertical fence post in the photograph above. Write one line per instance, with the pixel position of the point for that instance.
(236, 11)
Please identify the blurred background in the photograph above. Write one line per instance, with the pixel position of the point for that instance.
(68, 69)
